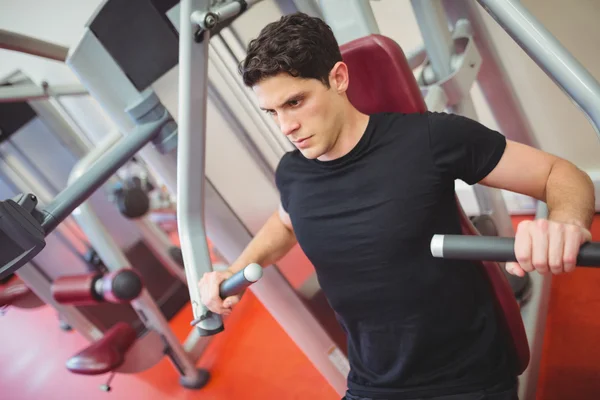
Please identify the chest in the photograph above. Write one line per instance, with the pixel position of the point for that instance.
(373, 208)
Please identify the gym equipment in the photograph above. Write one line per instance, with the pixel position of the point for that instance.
(500, 249)
(137, 73)
(69, 254)
(140, 74)
(131, 197)
(207, 323)
(29, 230)
(120, 286)
(105, 355)
(16, 293)
(521, 286)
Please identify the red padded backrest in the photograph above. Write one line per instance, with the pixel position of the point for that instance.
(382, 81)
(380, 77)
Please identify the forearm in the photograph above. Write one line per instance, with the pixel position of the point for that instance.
(570, 195)
(272, 242)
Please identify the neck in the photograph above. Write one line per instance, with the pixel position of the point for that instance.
(354, 124)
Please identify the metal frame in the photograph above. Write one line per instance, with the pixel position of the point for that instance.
(492, 78)
(26, 44)
(114, 259)
(549, 54)
(35, 92)
(113, 90)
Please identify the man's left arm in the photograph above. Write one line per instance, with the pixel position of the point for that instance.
(546, 244)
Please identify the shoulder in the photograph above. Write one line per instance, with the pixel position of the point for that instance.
(290, 164)
(390, 120)
(441, 122)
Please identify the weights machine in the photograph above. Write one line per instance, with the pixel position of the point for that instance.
(138, 103)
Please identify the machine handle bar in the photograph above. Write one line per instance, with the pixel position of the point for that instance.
(499, 249)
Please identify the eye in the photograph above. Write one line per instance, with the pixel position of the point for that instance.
(270, 112)
(294, 103)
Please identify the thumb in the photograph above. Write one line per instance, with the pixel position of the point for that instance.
(514, 268)
(231, 301)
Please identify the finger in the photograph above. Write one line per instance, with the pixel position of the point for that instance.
(210, 293)
(539, 246)
(231, 301)
(556, 245)
(513, 268)
(573, 241)
(523, 247)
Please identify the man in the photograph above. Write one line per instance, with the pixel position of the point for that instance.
(363, 195)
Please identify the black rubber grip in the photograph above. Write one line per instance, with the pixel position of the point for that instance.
(501, 249)
(238, 282)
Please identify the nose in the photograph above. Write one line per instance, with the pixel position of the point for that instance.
(288, 125)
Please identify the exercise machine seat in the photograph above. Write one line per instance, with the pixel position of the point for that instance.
(12, 293)
(106, 354)
(381, 81)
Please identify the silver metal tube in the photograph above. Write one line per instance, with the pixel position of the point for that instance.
(416, 57)
(93, 156)
(68, 200)
(349, 19)
(26, 44)
(9, 94)
(549, 54)
(436, 35)
(534, 314)
(191, 152)
(492, 77)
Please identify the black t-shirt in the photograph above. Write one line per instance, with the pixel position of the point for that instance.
(416, 325)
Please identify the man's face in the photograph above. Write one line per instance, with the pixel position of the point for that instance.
(307, 112)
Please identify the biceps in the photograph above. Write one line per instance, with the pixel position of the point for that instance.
(522, 169)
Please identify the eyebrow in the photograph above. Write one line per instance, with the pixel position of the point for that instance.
(293, 97)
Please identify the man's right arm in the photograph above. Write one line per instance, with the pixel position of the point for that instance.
(273, 241)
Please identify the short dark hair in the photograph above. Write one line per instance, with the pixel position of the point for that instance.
(297, 44)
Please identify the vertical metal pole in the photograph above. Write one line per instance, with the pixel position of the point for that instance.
(492, 78)
(191, 153)
(439, 46)
(437, 38)
(534, 315)
(349, 19)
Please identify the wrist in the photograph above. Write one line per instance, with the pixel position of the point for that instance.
(568, 219)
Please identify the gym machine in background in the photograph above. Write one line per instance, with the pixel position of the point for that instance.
(89, 295)
(142, 79)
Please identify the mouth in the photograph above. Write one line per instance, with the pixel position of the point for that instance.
(301, 140)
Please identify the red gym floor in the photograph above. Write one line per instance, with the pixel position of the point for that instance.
(254, 358)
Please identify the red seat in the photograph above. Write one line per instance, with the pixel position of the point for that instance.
(106, 354)
(382, 81)
(13, 292)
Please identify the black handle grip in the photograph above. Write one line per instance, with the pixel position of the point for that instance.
(499, 249)
(240, 280)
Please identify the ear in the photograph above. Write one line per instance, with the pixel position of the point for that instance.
(339, 77)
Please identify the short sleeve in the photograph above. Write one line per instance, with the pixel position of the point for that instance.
(462, 148)
(282, 180)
